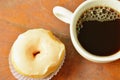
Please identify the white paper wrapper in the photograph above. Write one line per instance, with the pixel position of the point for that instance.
(22, 77)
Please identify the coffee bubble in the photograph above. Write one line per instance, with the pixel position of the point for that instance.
(100, 14)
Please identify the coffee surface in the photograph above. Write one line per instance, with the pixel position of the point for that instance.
(100, 38)
(99, 35)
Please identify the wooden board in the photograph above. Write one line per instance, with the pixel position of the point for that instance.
(17, 16)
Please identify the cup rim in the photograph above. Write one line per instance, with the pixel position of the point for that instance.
(80, 9)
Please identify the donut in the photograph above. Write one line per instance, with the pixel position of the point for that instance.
(37, 53)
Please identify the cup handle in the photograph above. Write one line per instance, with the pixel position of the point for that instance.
(63, 14)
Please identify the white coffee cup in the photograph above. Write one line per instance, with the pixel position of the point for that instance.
(72, 18)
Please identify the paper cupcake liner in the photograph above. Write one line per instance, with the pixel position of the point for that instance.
(22, 77)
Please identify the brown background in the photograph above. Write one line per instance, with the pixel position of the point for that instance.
(17, 16)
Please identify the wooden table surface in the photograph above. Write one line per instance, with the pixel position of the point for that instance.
(17, 16)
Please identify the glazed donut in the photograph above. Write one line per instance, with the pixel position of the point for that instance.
(37, 53)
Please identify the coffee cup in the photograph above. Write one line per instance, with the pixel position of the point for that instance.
(94, 13)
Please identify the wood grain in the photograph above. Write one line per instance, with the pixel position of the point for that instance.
(17, 16)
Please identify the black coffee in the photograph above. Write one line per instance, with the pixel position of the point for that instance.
(100, 38)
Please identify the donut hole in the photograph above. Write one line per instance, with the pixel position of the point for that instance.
(36, 53)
